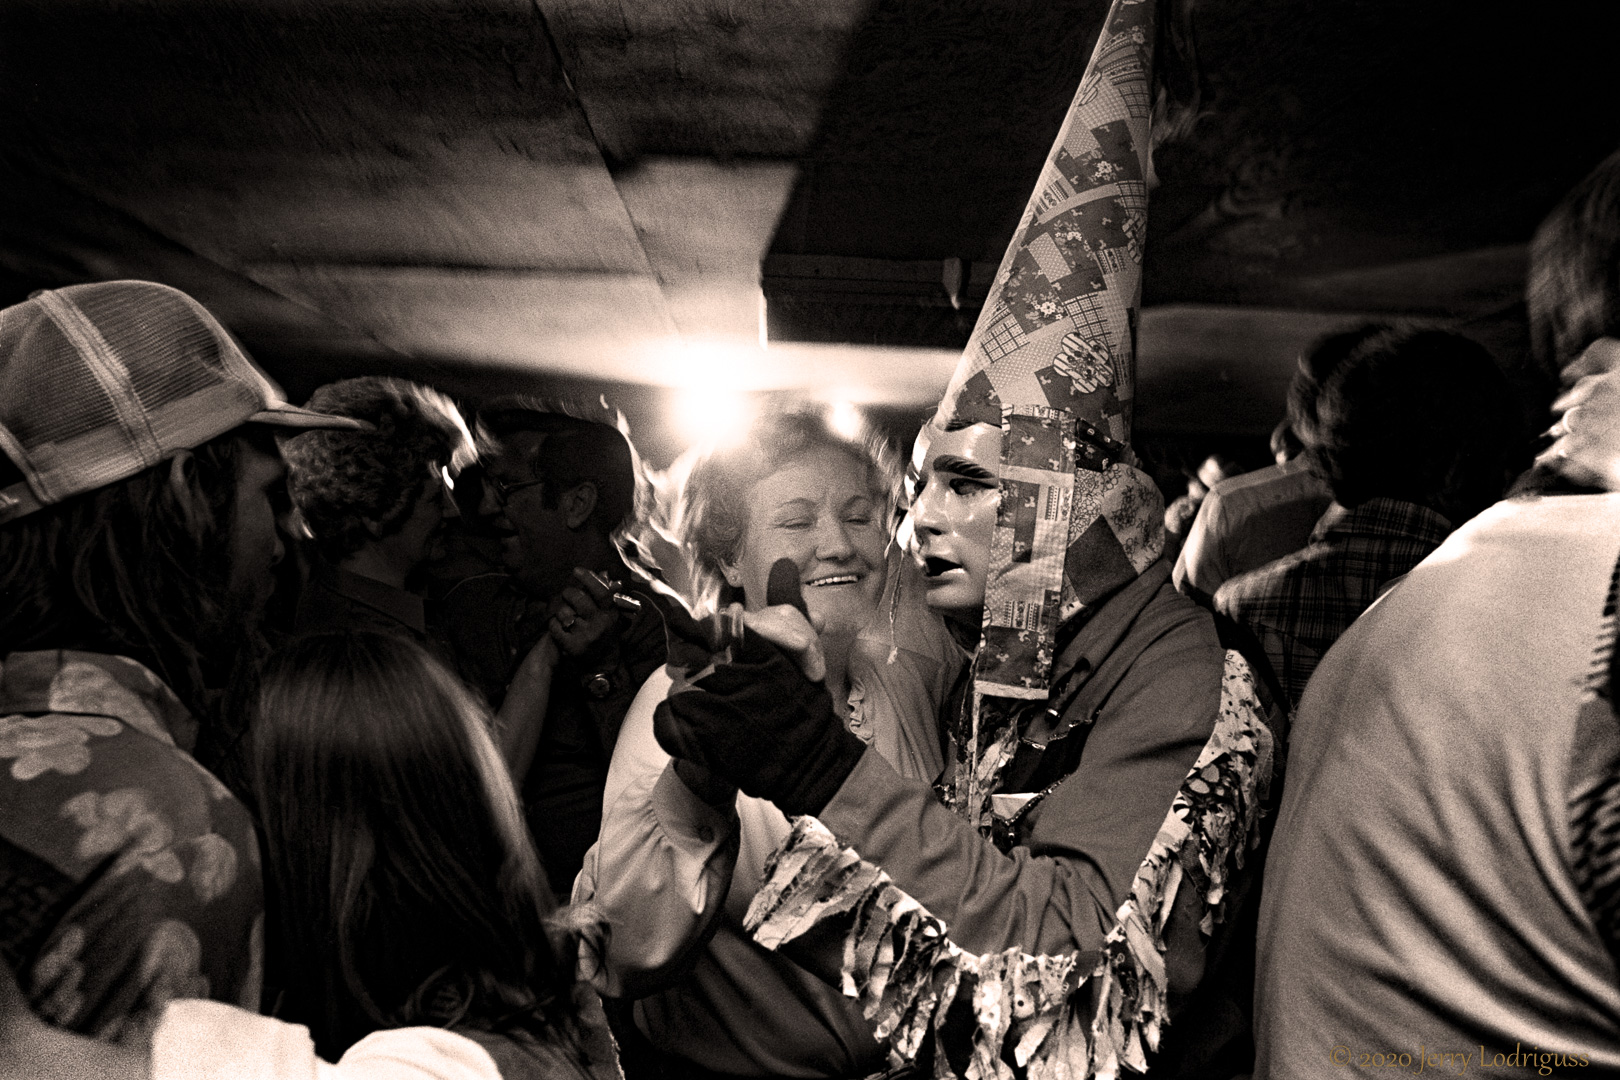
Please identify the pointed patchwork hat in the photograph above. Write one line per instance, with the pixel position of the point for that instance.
(1052, 363)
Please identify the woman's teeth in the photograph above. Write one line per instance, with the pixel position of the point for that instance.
(836, 579)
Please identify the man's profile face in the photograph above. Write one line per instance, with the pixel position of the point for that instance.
(536, 541)
(954, 480)
(418, 536)
(255, 540)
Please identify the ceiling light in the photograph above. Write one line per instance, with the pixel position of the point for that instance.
(845, 419)
(712, 417)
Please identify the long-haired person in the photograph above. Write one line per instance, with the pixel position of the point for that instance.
(679, 854)
(408, 904)
(139, 489)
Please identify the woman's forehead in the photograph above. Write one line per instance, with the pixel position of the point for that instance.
(818, 474)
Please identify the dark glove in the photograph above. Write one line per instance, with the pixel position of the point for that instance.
(760, 724)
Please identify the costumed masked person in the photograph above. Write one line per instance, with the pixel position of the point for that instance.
(1074, 885)
(681, 854)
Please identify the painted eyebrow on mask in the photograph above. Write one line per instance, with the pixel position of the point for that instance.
(960, 466)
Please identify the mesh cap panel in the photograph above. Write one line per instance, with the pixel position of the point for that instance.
(98, 382)
(150, 335)
(66, 404)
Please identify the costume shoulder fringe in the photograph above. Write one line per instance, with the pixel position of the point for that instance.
(901, 965)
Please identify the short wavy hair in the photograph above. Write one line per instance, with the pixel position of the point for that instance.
(341, 479)
(713, 500)
(1317, 363)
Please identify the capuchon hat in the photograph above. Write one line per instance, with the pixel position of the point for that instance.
(101, 381)
(1052, 362)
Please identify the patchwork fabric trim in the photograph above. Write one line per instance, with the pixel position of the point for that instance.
(901, 965)
(1024, 591)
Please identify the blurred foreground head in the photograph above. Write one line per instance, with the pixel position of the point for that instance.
(407, 888)
(1574, 275)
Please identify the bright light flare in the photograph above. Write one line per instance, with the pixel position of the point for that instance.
(711, 417)
(845, 419)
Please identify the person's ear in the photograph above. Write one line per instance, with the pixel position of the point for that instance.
(374, 528)
(578, 503)
(732, 573)
(187, 493)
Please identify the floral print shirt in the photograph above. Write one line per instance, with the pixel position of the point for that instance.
(129, 875)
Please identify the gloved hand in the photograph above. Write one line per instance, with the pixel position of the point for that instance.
(759, 723)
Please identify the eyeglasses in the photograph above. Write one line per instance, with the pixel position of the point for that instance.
(503, 489)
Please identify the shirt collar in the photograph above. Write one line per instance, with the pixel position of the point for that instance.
(95, 684)
(1383, 517)
(397, 604)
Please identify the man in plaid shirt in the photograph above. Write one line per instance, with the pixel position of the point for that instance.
(1412, 433)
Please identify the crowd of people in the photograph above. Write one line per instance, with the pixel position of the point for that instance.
(378, 738)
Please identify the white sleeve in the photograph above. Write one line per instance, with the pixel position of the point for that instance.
(661, 867)
(413, 1053)
(209, 1040)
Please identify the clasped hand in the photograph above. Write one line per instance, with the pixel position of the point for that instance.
(764, 722)
(1586, 438)
(583, 620)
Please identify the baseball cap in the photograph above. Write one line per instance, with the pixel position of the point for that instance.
(101, 381)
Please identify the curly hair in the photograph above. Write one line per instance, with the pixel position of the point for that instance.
(340, 480)
(713, 501)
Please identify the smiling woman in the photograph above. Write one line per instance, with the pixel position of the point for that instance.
(793, 488)
(819, 512)
(680, 856)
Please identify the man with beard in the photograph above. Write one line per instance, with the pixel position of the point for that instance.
(375, 501)
(139, 497)
(559, 483)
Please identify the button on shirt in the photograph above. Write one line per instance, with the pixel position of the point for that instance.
(1299, 605)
